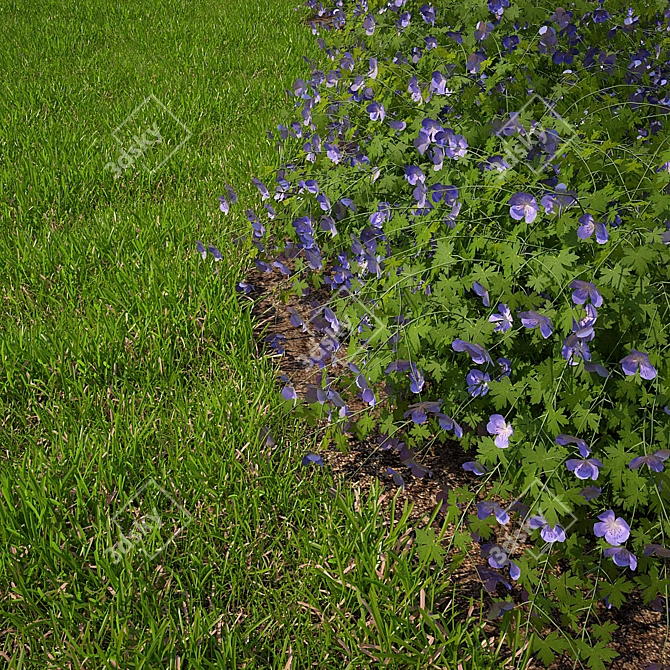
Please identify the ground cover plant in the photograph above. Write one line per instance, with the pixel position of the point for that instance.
(129, 376)
(483, 189)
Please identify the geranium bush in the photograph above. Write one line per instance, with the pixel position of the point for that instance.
(484, 190)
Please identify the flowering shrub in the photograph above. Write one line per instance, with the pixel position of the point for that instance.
(484, 189)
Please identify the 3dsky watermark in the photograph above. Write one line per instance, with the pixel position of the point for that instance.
(538, 144)
(148, 137)
(148, 522)
(515, 538)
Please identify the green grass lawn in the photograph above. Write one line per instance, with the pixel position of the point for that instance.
(129, 380)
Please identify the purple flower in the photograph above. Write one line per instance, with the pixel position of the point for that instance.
(551, 535)
(491, 579)
(428, 14)
(323, 201)
(327, 224)
(369, 25)
(420, 194)
(347, 62)
(376, 111)
(332, 77)
(509, 126)
(478, 383)
(262, 266)
(397, 477)
(475, 59)
(584, 291)
(414, 174)
(532, 320)
(418, 470)
(357, 84)
(590, 492)
(415, 91)
(478, 354)
(653, 461)
(417, 414)
(244, 287)
(418, 411)
(569, 439)
(486, 508)
(382, 214)
(232, 196)
(523, 205)
(458, 145)
(397, 125)
(548, 201)
(386, 443)
(296, 320)
(282, 268)
(312, 458)
(574, 348)
(586, 468)
(416, 379)
(438, 83)
(597, 368)
(506, 366)
(548, 534)
(497, 426)
(614, 529)
(448, 424)
(503, 319)
(396, 366)
(498, 559)
(403, 20)
(500, 606)
(483, 30)
(482, 293)
(265, 194)
(422, 142)
(656, 550)
(600, 15)
(224, 206)
(201, 249)
(548, 39)
(497, 7)
(510, 43)
(639, 359)
(584, 328)
(450, 219)
(622, 557)
(310, 184)
(215, 252)
(333, 152)
(475, 467)
(288, 393)
(440, 192)
(436, 155)
(588, 226)
(366, 394)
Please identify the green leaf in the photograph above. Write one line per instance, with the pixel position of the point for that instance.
(428, 548)
(616, 592)
(548, 647)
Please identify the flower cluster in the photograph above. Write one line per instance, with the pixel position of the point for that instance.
(496, 243)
